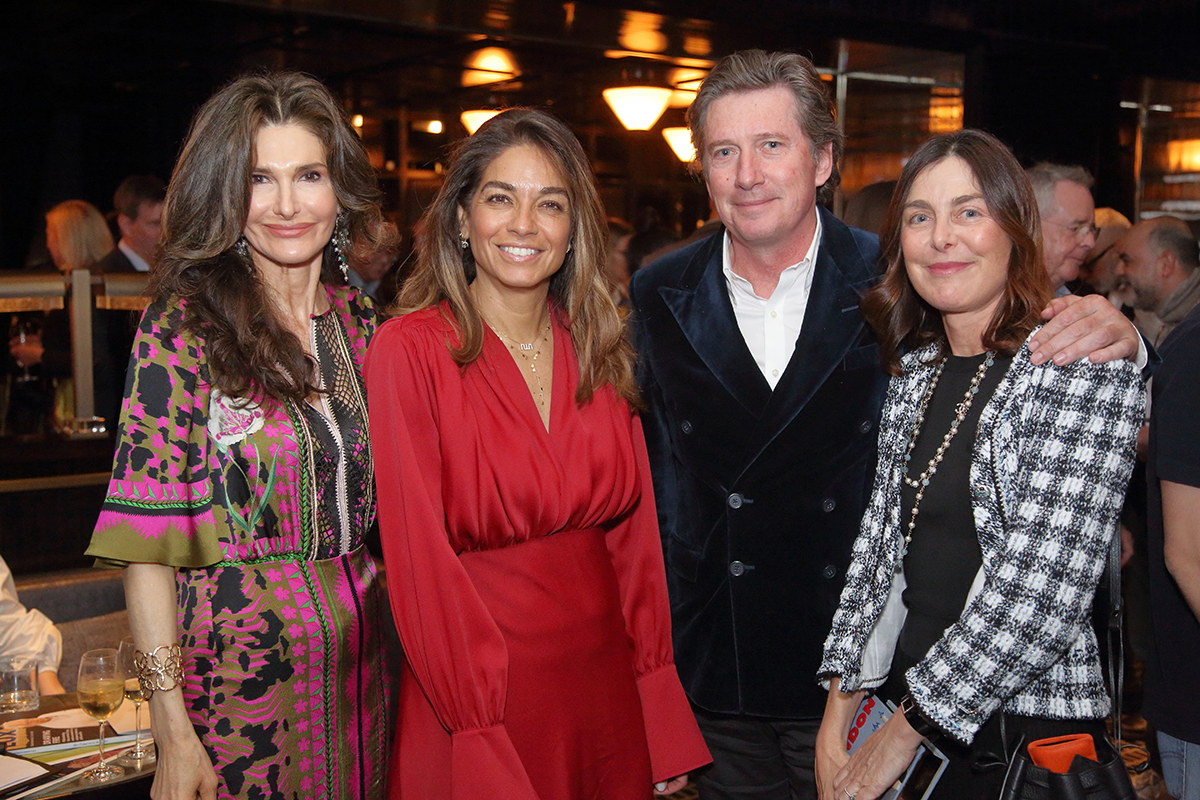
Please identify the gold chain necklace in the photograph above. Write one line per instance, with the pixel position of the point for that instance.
(960, 413)
(522, 349)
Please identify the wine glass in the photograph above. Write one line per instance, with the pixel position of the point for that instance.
(23, 328)
(133, 691)
(100, 689)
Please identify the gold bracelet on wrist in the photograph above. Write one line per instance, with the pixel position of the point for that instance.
(159, 670)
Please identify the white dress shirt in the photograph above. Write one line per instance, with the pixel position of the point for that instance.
(138, 262)
(771, 325)
(26, 633)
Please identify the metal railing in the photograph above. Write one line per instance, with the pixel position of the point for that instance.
(123, 291)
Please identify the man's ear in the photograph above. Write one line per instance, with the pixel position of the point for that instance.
(824, 163)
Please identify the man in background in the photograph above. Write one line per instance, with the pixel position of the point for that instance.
(1158, 259)
(138, 203)
(1068, 219)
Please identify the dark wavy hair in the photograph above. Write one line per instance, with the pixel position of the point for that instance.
(901, 318)
(250, 352)
(578, 290)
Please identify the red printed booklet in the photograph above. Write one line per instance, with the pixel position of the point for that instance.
(927, 766)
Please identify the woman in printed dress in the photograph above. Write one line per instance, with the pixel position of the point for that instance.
(242, 484)
(515, 497)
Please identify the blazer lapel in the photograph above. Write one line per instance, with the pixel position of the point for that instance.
(701, 306)
(832, 325)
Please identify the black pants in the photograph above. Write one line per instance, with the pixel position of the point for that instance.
(757, 758)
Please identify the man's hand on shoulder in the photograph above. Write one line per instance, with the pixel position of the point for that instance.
(1084, 326)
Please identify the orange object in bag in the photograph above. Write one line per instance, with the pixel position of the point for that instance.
(1057, 752)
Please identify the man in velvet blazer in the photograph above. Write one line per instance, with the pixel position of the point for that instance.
(762, 463)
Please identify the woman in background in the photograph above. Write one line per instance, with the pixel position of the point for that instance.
(77, 237)
(515, 497)
(242, 485)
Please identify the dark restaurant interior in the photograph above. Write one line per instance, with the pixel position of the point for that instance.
(100, 91)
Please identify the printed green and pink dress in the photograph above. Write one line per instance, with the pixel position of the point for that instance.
(263, 510)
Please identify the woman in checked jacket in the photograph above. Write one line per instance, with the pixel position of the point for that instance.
(997, 494)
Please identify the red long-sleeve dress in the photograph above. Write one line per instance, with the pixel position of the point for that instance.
(526, 578)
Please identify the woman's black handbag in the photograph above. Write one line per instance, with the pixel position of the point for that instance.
(1086, 780)
(1105, 779)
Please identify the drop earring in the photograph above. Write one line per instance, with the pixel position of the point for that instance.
(341, 245)
(463, 243)
(242, 247)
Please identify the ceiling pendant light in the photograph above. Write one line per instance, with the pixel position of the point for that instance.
(680, 140)
(638, 107)
(471, 120)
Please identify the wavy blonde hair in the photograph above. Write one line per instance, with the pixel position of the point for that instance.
(82, 234)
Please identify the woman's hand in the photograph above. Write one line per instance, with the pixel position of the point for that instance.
(184, 771)
(831, 754)
(670, 787)
(877, 762)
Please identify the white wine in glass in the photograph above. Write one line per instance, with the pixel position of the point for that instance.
(101, 690)
(133, 692)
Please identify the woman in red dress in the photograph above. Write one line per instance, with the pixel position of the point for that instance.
(515, 503)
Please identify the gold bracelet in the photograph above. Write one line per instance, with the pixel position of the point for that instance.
(159, 672)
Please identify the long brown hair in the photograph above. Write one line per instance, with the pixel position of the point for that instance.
(900, 317)
(250, 353)
(578, 290)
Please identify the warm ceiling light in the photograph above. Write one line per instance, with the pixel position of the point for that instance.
(471, 120)
(642, 32)
(489, 65)
(680, 140)
(357, 120)
(638, 107)
(686, 81)
(428, 126)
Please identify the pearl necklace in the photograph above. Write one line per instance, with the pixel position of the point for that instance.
(522, 348)
(960, 413)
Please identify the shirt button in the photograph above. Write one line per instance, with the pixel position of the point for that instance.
(828, 504)
(737, 569)
(865, 426)
(735, 500)
(775, 373)
(773, 315)
(685, 426)
(829, 572)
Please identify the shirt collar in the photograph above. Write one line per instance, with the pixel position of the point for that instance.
(732, 279)
(138, 262)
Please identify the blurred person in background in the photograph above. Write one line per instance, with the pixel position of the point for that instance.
(77, 238)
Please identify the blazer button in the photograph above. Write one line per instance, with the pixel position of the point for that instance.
(737, 569)
(735, 500)
(829, 572)
(865, 426)
(685, 426)
(828, 504)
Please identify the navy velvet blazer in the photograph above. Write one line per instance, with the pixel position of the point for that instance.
(760, 492)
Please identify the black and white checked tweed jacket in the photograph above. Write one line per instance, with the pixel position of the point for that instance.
(1051, 461)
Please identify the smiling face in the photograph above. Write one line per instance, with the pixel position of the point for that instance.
(518, 221)
(760, 172)
(1068, 234)
(955, 252)
(292, 202)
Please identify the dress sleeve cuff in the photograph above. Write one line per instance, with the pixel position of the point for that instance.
(676, 745)
(485, 763)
